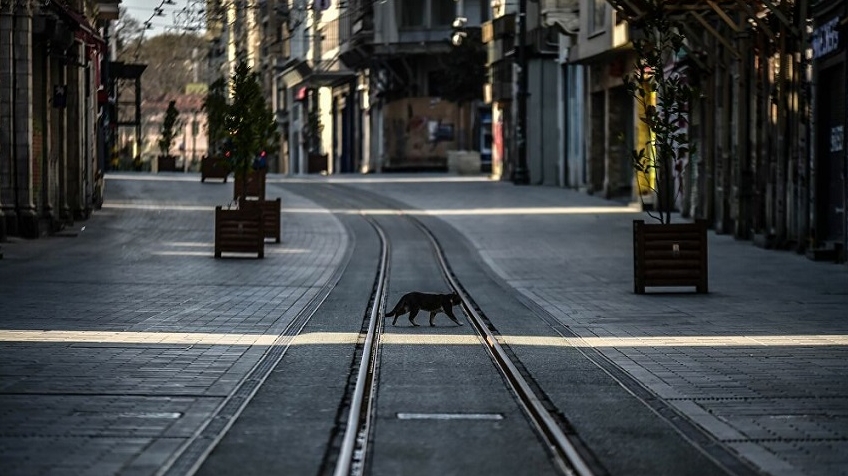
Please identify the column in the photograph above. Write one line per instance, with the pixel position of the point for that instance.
(742, 176)
(7, 207)
(22, 157)
(69, 137)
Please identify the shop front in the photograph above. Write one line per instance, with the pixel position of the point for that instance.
(830, 163)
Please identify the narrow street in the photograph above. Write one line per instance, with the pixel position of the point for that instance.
(126, 348)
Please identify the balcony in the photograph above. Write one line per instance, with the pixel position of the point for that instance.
(355, 35)
(330, 37)
(419, 40)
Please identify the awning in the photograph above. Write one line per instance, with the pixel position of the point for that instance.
(704, 14)
(294, 72)
(121, 70)
(331, 73)
(330, 78)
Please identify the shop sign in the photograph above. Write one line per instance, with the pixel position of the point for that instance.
(837, 138)
(826, 38)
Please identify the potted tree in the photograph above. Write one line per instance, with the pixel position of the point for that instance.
(170, 126)
(213, 165)
(665, 254)
(316, 161)
(250, 131)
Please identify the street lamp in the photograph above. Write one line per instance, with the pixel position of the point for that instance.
(520, 175)
(459, 32)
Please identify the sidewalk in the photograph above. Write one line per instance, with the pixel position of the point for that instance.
(759, 362)
(120, 339)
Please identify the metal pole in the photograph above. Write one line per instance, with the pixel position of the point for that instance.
(520, 175)
(194, 125)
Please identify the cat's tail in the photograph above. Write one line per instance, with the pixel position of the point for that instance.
(394, 312)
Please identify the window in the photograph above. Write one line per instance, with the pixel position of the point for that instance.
(597, 15)
(425, 13)
(443, 12)
(485, 12)
(411, 13)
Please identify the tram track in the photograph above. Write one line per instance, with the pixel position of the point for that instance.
(561, 438)
(541, 414)
(354, 442)
(387, 397)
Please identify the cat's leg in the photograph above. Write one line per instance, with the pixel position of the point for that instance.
(432, 315)
(449, 312)
(412, 315)
(399, 310)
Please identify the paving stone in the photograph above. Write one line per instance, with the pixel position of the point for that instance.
(578, 268)
(104, 398)
(143, 264)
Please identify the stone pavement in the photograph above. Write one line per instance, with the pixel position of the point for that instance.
(759, 362)
(117, 344)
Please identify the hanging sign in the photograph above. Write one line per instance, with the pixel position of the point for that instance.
(826, 38)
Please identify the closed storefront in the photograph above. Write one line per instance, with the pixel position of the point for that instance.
(829, 155)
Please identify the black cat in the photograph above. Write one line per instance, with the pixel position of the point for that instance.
(433, 303)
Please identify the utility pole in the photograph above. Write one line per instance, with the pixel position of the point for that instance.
(520, 176)
(194, 129)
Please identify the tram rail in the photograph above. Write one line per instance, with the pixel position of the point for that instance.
(354, 448)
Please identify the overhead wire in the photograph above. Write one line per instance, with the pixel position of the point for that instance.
(158, 11)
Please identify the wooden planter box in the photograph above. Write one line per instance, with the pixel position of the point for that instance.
(670, 255)
(166, 163)
(214, 167)
(239, 231)
(270, 210)
(317, 163)
(250, 186)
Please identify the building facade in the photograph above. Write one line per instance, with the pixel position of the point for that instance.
(357, 87)
(829, 116)
(767, 123)
(51, 100)
(601, 54)
(547, 23)
(356, 84)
